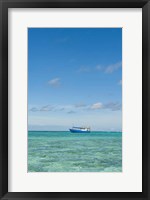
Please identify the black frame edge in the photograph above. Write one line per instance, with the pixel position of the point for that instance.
(4, 5)
(4, 101)
(148, 97)
(74, 3)
(145, 97)
(1, 182)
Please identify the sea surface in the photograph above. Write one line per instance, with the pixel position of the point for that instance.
(53, 151)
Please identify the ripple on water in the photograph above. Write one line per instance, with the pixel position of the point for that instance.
(65, 152)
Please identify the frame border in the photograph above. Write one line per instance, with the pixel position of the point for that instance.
(4, 6)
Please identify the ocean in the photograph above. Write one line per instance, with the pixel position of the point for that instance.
(62, 151)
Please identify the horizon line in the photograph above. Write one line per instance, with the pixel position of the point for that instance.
(69, 131)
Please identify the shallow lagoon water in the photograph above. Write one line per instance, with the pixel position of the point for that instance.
(60, 151)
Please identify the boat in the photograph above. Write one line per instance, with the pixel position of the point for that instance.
(80, 130)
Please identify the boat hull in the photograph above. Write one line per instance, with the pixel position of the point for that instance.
(78, 131)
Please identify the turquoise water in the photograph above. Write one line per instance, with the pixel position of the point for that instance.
(50, 151)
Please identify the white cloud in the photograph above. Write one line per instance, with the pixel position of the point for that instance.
(105, 69)
(47, 108)
(54, 82)
(71, 112)
(79, 105)
(99, 67)
(114, 106)
(65, 108)
(111, 68)
(96, 106)
(34, 109)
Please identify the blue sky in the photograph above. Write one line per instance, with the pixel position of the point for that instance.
(74, 78)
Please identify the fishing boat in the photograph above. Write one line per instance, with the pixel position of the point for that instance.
(80, 130)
